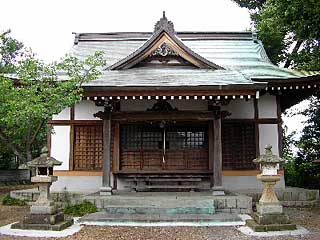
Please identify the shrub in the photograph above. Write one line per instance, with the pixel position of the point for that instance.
(80, 209)
(300, 173)
(9, 201)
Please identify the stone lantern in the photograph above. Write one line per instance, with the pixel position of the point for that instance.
(269, 215)
(44, 215)
(44, 178)
(269, 166)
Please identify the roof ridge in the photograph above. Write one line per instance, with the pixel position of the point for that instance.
(164, 31)
(184, 35)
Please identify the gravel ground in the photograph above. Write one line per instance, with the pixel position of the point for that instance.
(309, 218)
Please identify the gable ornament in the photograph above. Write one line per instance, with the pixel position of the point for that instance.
(164, 50)
(164, 24)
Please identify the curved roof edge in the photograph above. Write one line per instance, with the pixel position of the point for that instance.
(164, 33)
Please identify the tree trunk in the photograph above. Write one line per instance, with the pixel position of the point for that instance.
(11, 146)
(28, 145)
(294, 51)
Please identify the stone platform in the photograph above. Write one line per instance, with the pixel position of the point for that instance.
(157, 207)
(103, 217)
(168, 202)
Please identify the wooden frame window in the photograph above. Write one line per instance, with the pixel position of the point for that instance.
(238, 145)
(88, 147)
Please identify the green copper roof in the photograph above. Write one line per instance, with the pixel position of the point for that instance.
(243, 58)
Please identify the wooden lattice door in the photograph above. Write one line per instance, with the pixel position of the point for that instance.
(164, 147)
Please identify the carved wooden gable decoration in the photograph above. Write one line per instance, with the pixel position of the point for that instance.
(166, 49)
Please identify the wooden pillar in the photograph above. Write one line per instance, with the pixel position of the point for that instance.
(217, 158)
(106, 188)
(217, 188)
(106, 165)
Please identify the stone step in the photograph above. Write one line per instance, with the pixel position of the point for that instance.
(169, 186)
(156, 210)
(161, 206)
(147, 179)
(153, 218)
(157, 202)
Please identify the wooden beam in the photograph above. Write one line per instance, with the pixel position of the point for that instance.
(75, 122)
(229, 90)
(261, 120)
(174, 115)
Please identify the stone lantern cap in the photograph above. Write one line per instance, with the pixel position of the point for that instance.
(268, 158)
(44, 160)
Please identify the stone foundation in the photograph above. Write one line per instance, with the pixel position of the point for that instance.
(43, 226)
(238, 203)
(288, 197)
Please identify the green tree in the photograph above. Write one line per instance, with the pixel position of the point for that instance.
(10, 50)
(38, 92)
(301, 171)
(289, 30)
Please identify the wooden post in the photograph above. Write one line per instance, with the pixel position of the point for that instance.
(217, 188)
(106, 188)
(106, 183)
(217, 158)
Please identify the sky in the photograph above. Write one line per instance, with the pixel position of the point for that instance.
(46, 26)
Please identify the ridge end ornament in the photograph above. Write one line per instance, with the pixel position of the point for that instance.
(164, 24)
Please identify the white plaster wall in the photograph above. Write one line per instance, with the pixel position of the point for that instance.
(63, 115)
(246, 182)
(85, 109)
(88, 184)
(182, 105)
(60, 146)
(267, 106)
(240, 109)
(268, 134)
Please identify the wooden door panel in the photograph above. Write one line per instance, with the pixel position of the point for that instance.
(152, 160)
(186, 147)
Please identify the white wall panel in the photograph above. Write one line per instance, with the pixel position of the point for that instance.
(268, 134)
(246, 182)
(87, 184)
(240, 109)
(60, 146)
(267, 106)
(63, 115)
(85, 109)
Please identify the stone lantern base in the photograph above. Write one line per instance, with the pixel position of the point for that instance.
(270, 222)
(52, 222)
(269, 215)
(44, 215)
